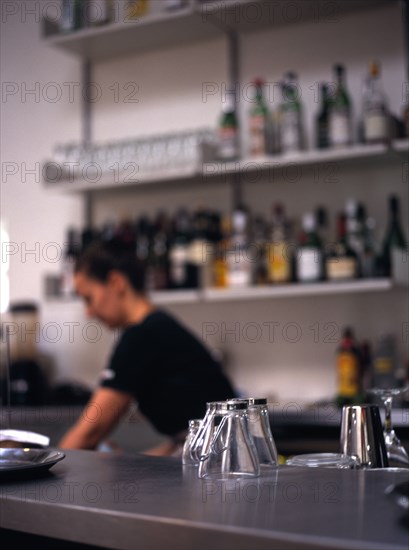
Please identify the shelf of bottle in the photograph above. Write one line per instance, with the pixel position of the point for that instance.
(124, 37)
(136, 176)
(291, 290)
(199, 20)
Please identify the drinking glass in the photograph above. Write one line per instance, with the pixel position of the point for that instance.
(228, 449)
(187, 459)
(397, 455)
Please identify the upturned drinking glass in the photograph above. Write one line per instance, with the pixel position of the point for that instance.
(228, 449)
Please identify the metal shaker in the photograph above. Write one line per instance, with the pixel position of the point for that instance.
(362, 436)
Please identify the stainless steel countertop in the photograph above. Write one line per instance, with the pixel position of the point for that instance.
(138, 502)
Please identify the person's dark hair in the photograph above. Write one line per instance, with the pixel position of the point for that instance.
(99, 259)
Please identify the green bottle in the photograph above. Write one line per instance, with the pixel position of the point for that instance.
(394, 239)
(259, 123)
(229, 130)
(322, 123)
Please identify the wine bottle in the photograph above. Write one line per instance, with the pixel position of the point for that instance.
(277, 250)
(341, 261)
(376, 118)
(309, 266)
(322, 121)
(340, 115)
(290, 116)
(394, 242)
(259, 119)
(229, 130)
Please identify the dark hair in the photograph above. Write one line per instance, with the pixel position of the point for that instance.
(99, 259)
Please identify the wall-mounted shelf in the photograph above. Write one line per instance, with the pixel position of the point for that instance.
(294, 290)
(199, 20)
(355, 153)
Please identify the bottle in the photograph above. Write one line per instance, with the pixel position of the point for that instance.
(259, 123)
(394, 243)
(71, 252)
(355, 231)
(322, 121)
(376, 119)
(134, 9)
(277, 251)
(99, 12)
(405, 120)
(366, 367)
(220, 267)
(370, 252)
(385, 361)
(239, 263)
(72, 16)
(309, 266)
(143, 237)
(290, 116)
(179, 251)
(348, 368)
(229, 130)
(340, 115)
(260, 270)
(201, 250)
(341, 261)
(157, 274)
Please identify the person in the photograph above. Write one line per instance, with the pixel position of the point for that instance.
(156, 361)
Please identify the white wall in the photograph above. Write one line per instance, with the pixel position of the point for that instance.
(170, 98)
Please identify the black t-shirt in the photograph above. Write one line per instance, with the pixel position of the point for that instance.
(168, 371)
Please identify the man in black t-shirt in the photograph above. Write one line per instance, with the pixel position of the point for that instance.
(157, 361)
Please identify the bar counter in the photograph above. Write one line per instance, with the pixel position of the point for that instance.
(124, 501)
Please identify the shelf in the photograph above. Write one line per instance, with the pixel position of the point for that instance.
(197, 21)
(354, 153)
(150, 32)
(357, 152)
(298, 290)
(253, 15)
(294, 290)
(122, 179)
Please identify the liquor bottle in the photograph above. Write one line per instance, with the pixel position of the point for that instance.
(376, 118)
(341, 261)
(229, 130)
(201, 250)
(355, 231)
(157, 273)
(366, 367)
(134, 9)
(220, 267)
(125, 236)
(405, 120)
(340, 115)
(370, 248)
(259, 122)
(260, 268)
(99, 12)
(179, 251)
(277, 250)
(385, 361)
(322, 121)
(143, 238)
(71, 252)
(348, 368)
(72, 15)
(290, 116)
(309, 266)
(395, 243)
(239, 263)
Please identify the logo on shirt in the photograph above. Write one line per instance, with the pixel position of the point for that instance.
(107, 374)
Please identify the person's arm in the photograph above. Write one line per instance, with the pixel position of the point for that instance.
(100, 416)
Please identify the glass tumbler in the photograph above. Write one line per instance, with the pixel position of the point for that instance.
(198, 439)
(228, 449)
(194, 426)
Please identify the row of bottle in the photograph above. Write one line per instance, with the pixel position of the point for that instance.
(362, 366)
(283, 131)
(204, 249)
(77, 14)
